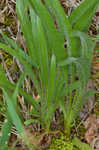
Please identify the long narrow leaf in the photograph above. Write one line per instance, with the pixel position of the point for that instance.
(19, 50)
(87, 44)
(27, 67)
(43, 53)
(26, 27)
(51, 86)
(55, 40)
(13, 114)
(84, 22)
(64, 25)
(81, 10)
(4, 83)
(81, 145)
(5, 132)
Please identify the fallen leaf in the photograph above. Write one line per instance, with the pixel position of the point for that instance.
(2, 18)
(92, 128)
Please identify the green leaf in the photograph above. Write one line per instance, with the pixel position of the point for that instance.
(81, 17)
(12, 106)
(52, 78)
(26, 27)
(19, 51)
(27, 67)
(27, 122)
(81, 145)
(67, 61)
(15, 118)
(65, 27)
(4, 83)
(43, 53)
(87, 44)
(5, 132)
(19, 83)
(90, 93)
(83, 70)
(54, 38)
(35, 38)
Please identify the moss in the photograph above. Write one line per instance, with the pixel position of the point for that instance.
(82, 131)
(8, 20)
(96, 108)
(62, 144)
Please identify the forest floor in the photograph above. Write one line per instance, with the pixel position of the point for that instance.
(87, 127)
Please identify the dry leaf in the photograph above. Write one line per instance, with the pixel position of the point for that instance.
(95, 143)
(92, 128)
(2, 18)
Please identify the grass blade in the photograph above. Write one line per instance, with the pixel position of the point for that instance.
(4, 83)
(43, 54)
(19, 50)
(80, 145)
(5, 132)
(64, 25)
(26, 27)
(16, 120)
(55, 40)
(81, 10)
(81, 17)
(84, 22)
(87, 44)
(27, 67)
(51, 86)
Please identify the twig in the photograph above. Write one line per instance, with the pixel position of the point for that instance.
(84, 118)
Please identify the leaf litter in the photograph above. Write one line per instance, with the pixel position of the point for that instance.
(92, 122)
